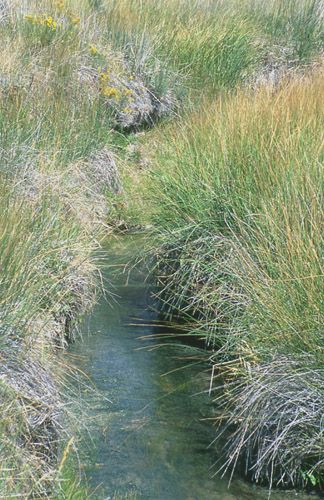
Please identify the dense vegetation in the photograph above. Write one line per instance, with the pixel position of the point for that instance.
(229, 181)
(234, 192)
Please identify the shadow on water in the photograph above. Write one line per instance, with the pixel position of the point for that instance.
(153, 437)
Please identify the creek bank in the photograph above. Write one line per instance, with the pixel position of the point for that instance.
(62, 276)
(239, 258)
(271, 411)
(152, 437)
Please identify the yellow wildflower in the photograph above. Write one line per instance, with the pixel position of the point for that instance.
(92, 48)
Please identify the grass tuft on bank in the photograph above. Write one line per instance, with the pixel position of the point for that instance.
(235, 194)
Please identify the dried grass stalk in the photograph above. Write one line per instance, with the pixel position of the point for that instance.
(276, 410)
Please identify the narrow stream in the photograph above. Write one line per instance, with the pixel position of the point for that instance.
(153, 437)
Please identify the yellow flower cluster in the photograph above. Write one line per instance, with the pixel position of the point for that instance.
(47, 21)
(105, 89)
(73, 17)
(93, 49)
(60, 6)
(113, 92)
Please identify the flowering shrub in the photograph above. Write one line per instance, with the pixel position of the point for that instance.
(43, 28)
(60, 7)
(93, 49)
(113, 92)
(46, 21)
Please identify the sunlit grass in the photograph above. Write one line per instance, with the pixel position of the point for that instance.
(252, 165)
(235, 193)
(210, 46)
(235, 190)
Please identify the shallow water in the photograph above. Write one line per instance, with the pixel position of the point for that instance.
(152, 438)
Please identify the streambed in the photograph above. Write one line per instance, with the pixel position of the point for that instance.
(152, 436)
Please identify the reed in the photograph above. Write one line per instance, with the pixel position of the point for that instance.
(235, 193)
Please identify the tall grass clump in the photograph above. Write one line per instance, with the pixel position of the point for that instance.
(236, 195)
(296, 26)
(56, 170)
(209, 43)
(47, 281)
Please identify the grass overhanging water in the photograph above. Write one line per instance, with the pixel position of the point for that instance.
(230, 183)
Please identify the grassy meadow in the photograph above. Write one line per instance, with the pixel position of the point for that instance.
(201, 121)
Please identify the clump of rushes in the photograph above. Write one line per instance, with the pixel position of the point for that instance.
(240, 246)
(255, 180)
(276, 408)
(296, 26)
(47, 283)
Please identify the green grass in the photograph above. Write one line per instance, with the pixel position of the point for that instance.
(234, 190)
(214, 44)
(297, 26)
(252, 165)
(210, 47)
(235, 194)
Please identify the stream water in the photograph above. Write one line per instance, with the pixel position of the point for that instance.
(152, 436)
